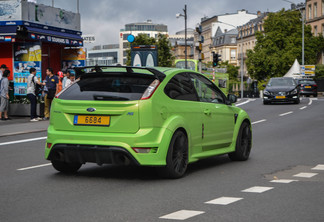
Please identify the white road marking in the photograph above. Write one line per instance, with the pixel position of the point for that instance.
(182, 215)
(319, 167)
(257, 189)
(224, 200)
(305, 175)
(310, 102)
(33, 167)
(287, 113)
(282, 181)
(259, 121)
(304, 107)
(245, 102)
(23, 141)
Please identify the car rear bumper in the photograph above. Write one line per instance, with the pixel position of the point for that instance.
(308, 92)
(110, 148)
(273, 99)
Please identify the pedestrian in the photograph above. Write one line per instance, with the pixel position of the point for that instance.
(3, 67)
(4, 95)
(60, 83)
(51, 85)
(66, 75)
(70, 80)
(31, 94)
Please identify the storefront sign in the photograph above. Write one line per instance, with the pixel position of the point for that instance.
(73, 58)
(26, 56)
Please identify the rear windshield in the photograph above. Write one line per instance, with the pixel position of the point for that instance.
(311, 82)
(108, 88)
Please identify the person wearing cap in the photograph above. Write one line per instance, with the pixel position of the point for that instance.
(51, 85)
(3, 67)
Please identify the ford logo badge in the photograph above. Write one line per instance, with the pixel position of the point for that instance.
(91, 109)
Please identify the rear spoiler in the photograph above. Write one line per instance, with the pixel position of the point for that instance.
(80, 71)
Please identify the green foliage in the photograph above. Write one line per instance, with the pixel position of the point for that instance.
(280, 44)
(319, 72)
(166, 59)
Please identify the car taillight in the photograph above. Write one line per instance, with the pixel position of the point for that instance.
(302, 85)
(150, 90)
(315, 85)
(49, 145)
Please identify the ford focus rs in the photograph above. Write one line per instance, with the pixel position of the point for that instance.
(160, 117)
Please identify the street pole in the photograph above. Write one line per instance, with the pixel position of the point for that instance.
(242, 62)
(185, 17)
(303, 38)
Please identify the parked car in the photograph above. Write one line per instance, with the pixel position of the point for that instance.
(308, 87)
(160, 117)
(282, 89)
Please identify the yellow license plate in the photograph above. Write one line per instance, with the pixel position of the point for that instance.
(280, 97)
(91, 120)
(308, 87)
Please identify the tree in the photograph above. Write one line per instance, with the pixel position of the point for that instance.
(231, 70)
(280, 44)
(165, 57)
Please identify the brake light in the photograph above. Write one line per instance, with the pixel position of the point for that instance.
(302, 85)
(315, 85)
(150, 90)
(49, 145)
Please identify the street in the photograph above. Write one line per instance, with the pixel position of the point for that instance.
(282, 181)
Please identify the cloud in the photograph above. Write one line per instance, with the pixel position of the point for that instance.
(105, 18)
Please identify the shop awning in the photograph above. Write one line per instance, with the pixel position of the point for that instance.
(13, 32)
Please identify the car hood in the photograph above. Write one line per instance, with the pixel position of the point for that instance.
(280, 88)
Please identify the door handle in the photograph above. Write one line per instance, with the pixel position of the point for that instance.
(207, 112)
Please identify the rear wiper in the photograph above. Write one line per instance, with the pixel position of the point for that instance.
(109, 98)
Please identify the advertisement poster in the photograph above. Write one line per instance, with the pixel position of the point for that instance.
(73, 58)
(26, 56)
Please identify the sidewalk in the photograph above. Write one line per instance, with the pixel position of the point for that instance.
(21, 125)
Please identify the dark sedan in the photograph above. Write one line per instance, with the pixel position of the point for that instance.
(283, 89)
(308, 87)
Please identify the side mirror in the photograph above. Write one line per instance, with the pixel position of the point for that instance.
(231, 98)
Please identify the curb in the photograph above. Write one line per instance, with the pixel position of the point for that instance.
(23, 132)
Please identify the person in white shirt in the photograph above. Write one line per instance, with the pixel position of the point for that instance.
(3, 67)
(70, 80)
(31, 94)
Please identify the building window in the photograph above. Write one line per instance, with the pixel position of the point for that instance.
(233, 40)
(315, 30)
(315, 9)
(233, 54)
(309, 11)
(322, 7)
(323, 29)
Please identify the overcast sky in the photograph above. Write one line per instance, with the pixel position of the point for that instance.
(105, 18)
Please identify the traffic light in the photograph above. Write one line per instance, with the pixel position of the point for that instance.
(216, 59)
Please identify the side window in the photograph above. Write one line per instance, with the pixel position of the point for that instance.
(180, 88)
(206, 90)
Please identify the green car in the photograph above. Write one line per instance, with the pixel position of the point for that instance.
(162, 117)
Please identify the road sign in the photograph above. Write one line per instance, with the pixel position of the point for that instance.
(307, 70)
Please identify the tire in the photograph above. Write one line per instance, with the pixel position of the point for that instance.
(297, 101)
(177, 157)
(265, 103)
(66, 167)
(243, 143)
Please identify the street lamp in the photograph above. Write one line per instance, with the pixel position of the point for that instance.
(185, 17)
(241, 54)
(303, 25)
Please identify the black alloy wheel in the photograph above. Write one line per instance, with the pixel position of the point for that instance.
(66, 167)
(177, 158)
(243, 143)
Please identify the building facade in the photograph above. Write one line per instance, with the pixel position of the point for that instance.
(103, 55)
(178, 44)
(246, 38)
(315, 18)
(225, 44)
(148, 28)
(225, 22)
